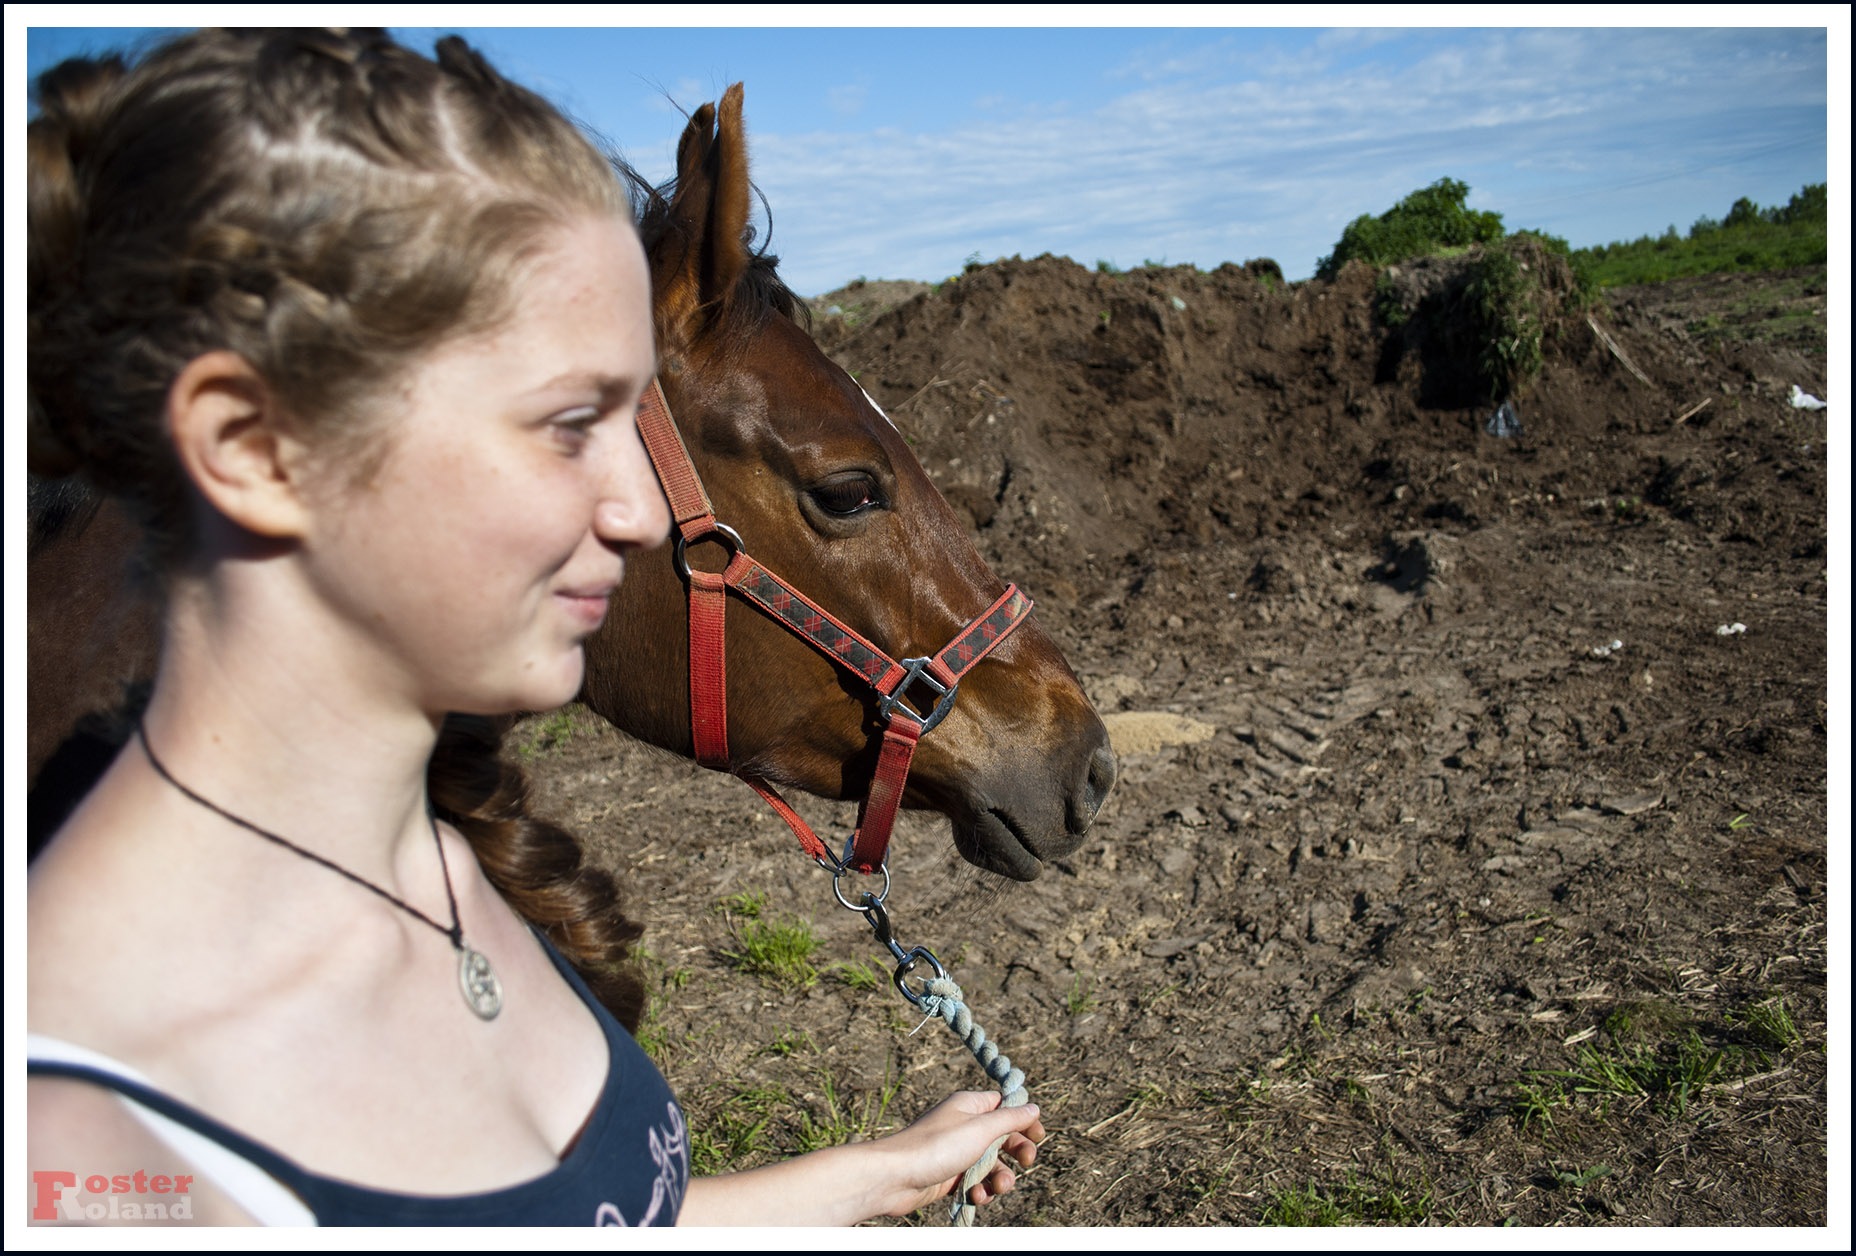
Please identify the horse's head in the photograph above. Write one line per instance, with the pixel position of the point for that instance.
(822, 488)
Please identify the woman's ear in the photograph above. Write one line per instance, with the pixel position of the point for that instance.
(235, 446)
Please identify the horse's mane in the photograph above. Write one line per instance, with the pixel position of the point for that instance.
(54, 507)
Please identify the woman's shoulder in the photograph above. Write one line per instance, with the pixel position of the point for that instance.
(92, 1162)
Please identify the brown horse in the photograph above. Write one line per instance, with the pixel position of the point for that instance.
(823, 487)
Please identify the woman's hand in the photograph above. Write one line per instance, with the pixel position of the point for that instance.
(932, 1153)
(891, 1176)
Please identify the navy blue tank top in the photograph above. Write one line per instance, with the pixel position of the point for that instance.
(629, 1166)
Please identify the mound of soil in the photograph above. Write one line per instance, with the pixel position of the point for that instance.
(1468, 863)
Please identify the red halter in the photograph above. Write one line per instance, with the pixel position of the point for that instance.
(903, 726)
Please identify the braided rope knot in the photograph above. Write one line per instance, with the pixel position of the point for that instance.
(943, 998)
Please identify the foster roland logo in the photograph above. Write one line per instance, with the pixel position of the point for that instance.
(138, 1196)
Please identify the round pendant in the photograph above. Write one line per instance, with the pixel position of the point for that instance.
(482, 991)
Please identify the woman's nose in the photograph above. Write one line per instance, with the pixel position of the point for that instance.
(631, 509)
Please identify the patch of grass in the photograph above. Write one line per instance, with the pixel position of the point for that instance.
(1670, 1078)
(545, 733)
(858, 975)
(777, 950)
(653, 1034)
(841, 1120)
(1535, 1105)
(1768, 1023)
(1643, 1020)
(1081, 997)
(748, 904)
(792, 1042)
(736, 1136)
(1300, 1206)
(1352, 1203)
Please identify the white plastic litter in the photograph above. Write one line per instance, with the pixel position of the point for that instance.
(1728, 630)
(1802, 400)
(1607, 650)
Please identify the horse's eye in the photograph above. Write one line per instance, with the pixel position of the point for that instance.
(849, 496)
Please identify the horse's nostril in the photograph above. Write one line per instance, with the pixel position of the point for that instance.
(1097, 782)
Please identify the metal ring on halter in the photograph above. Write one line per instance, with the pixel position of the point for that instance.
(720, 533)
(837, 874)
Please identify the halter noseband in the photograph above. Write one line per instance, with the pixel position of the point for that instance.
(890, 679)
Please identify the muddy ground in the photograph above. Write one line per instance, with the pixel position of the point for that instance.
(1468, 864)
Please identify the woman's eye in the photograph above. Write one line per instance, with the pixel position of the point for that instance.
(847, 497)
(572, 426)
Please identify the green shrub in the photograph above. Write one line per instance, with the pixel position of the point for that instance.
(1428, 220)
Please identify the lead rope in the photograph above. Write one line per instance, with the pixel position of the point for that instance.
(941, 997)
(944, 999)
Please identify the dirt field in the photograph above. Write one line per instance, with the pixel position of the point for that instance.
(1468, 861)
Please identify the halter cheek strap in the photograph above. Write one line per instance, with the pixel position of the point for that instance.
(903, 726)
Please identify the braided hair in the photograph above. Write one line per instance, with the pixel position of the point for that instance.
(329, 205)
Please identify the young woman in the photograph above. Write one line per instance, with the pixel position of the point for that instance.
(359, 336)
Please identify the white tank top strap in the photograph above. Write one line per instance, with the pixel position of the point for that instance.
(263, 1197)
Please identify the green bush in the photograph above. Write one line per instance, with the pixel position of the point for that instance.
(1427, 221)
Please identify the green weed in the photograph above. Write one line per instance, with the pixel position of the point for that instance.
(1353, 1203)
(1670, 1078)
(1582, 1179)
(545, 733)
(1534, 1107)
(779, 952)
(1081, 997)
(842, 1121)
(792, 1042)
(1769, 1024)
(737, 1135)
(860, 975)
(748, 904)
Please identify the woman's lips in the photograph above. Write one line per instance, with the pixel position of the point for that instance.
(588, 604)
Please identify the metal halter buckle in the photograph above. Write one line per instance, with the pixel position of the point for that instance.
(917, 674)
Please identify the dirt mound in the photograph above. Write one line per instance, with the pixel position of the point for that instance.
(1468, 865)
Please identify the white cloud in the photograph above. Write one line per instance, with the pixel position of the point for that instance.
(1198, 162)
(848, 99)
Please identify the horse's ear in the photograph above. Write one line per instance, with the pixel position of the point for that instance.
(700, 259)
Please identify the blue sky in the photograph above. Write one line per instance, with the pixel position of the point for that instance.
(902, 152)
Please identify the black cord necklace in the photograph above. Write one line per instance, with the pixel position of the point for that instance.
(483, 992)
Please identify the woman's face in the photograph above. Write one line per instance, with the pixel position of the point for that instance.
(470, 567)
